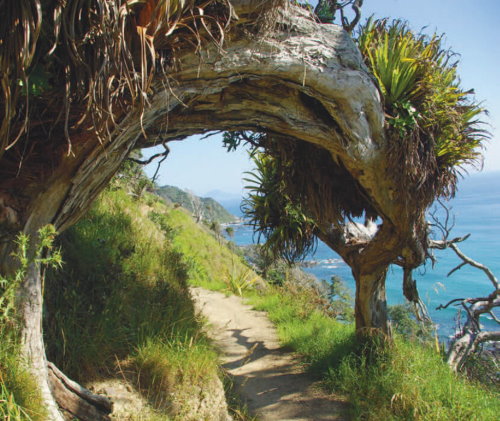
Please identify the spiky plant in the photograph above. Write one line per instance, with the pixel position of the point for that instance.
(434, 120)
(289, 233)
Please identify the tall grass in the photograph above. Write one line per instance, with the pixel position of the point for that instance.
(408, 381)
(121, 304)
(19, 395)
(208, 260)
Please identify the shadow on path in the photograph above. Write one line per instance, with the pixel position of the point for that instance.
(271, 381)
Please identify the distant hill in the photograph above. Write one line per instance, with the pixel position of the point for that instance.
(209, 208)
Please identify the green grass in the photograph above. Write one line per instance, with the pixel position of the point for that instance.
(19, 395)
(321, 340)
(408, 381)
(211, 264)
(403, 381)
(121, 304)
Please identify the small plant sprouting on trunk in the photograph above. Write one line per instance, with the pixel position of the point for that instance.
(19, 395)
(45, 255)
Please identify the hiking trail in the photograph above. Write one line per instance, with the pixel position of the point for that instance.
(270, 381)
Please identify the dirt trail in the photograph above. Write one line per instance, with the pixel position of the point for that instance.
(270, 380)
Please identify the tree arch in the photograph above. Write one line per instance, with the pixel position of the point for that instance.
(266, 66)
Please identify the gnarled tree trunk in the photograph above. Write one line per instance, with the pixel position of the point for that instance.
(30, 311)
(301, 79)
(370, 305)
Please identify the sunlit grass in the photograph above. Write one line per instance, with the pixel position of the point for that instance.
(121, 304)
(208, 260)
(403, 381)
(20, 398)
(409, 381)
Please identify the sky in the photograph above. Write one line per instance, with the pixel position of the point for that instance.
(471, 29)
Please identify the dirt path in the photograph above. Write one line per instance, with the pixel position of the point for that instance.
(270, 380)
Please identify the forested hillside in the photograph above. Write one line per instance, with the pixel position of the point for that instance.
(203, 208)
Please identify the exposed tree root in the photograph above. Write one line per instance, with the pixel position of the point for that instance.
(75, 400)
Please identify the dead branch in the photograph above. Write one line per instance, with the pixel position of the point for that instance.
(148, 161)
(467, 345)
(469, 337)
(444, 244)
(469, 261)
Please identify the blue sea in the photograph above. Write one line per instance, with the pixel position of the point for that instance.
(476, 210)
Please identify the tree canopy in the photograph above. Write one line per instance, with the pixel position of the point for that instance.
(434, 129)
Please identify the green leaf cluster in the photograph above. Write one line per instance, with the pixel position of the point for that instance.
(421, 92)
(288, 231)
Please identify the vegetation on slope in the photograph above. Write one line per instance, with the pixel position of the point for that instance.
(211, 263)
(121, 304)
(120, 307)
(404, 379)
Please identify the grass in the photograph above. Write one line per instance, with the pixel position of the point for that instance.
(208, 260)
(19, 395)
(121, 305)
(403, 381)
(408, 381)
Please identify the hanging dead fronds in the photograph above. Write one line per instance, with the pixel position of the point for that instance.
(295, 188)
(97, 58)
(321, 185)
(19, 31)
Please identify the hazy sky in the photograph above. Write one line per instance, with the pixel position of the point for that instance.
(472, 29)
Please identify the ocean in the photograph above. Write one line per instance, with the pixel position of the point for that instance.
(476, 210)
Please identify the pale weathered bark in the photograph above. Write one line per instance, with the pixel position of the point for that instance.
(469, 336)
(465, 346)
(30, 308)
(371, 304)
(300, 79)
(76, 400)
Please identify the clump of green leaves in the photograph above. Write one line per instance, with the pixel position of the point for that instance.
(288, 231)
(428, 111)
(239, 280)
